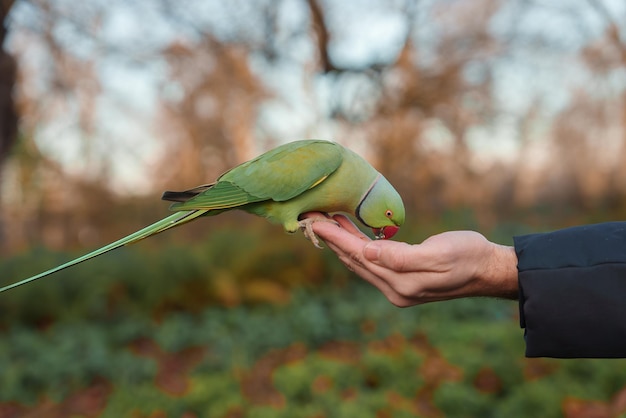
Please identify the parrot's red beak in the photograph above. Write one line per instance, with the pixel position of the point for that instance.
(385, 232)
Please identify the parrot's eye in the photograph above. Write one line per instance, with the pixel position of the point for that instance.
(389, 213)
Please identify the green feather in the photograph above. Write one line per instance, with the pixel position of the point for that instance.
(160, 226)
(287, 171)
(279, 175)
(221, 195)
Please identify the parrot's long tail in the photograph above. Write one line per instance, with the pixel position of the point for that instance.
(171, 221)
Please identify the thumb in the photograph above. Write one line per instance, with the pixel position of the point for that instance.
(371, 251)
(393, 255)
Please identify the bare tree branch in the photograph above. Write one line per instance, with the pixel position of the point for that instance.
(8, 115)
(322, 36)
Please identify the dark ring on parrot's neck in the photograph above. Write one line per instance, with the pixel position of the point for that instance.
(358, 208)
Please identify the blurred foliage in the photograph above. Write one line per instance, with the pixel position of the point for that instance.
(256, 323)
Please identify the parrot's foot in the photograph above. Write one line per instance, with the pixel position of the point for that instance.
(306, 227)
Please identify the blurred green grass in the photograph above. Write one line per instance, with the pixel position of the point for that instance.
(254, 323)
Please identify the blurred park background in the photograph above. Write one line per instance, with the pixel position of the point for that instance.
(506, 117)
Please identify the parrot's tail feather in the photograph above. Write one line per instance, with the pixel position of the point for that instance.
(185, 195)
(177, 196)
(171, 221)
(162, 225)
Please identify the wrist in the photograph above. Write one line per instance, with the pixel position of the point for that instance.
(500, 275)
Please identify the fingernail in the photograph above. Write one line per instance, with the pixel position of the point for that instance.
(372, 251)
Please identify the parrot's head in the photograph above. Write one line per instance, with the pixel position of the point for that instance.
(381, 209)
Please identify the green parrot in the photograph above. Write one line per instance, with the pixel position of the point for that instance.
(280, 185)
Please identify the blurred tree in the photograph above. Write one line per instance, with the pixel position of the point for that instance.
(8, 116)
(606, 58)
(210, 125)
(411, 98)
(486, 104)
(586, 137)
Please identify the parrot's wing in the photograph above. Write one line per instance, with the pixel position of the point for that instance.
(160, 226)
(221, 195)
(280, 174)
(287, 171)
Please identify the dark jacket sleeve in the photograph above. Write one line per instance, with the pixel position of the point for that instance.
(573, 291)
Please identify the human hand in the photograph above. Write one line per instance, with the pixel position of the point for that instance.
(445, 266)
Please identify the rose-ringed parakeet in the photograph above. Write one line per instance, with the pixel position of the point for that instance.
(280, 185)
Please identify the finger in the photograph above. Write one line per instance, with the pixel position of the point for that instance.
(369, 272)
(349, 248)
(394, 255)
(372, 278)
(307, 215)
(339, 232)
(340, 238)
(349, 226)
(329, 231)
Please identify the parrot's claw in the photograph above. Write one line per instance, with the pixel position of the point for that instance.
(307, 228)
